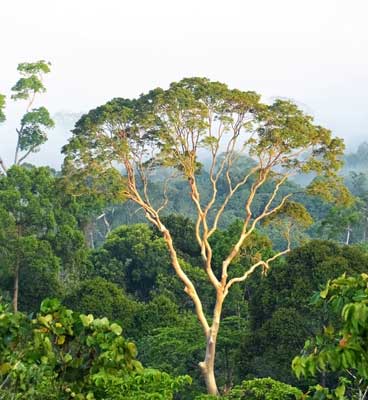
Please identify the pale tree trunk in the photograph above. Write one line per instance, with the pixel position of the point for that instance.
(347, 241)
(88, 228)
(16, 274)
(202, 235)
(208, 365)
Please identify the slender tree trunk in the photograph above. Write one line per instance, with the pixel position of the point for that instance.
(208, 365)
(19, 132)
(2, 165)
(16, 289)
(348, 235)
(16, 273)
(88, 228)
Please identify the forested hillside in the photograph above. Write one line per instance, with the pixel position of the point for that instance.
(175, 256)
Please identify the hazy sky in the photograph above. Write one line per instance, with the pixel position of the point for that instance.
(312, 51)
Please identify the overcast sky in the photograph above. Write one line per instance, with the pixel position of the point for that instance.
(312, 51)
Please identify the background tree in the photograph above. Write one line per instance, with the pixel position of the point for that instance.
(32, 132)
(281, 316)
(358, 161)
(42, 250)
(2, 106)
(25, 196)
(132, 257)
(93, 198)
(349, 224)
(339, 223)
(358, 184)
(169, 128)
(2, 119)
(261, 389)
(104, 299)
(341, 347)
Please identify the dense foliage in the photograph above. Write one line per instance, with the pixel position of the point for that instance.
(81, 237)
(341, 347)
(62, 354)
(261, 389)
(42, 248)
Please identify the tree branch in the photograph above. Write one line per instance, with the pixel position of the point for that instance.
(26, 155)
(2, 164)
(153, 217)
(265, 265)
(229, 197)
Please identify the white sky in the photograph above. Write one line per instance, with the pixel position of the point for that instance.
(313, 51)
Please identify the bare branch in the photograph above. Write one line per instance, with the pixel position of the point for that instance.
(153, 217)
(228, 198)
(247, 232)
(264, 264)
(25, 155)
(206, 250)
(164, 192)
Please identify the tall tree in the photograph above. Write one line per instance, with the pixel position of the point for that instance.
(38, 234)
(25, 199)
(32, 131)
(170, 128)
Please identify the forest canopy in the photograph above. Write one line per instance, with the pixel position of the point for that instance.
(181, 225)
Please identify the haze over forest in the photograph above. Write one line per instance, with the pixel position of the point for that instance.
(204, 233)
(314, 53)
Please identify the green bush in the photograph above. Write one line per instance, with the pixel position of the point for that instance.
(264, 389)
(102, 298)
(341, 348)
(63, 355)
(260, 389)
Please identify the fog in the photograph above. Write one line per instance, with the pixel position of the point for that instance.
(311, 51)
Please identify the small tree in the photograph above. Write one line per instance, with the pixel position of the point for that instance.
(342, 346)
(167, 131)
(32, 132)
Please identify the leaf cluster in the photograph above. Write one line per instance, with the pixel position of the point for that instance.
(77, 356)
(342, 345)
(31, 81)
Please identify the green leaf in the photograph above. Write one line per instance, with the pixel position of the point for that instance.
(50, 305)
(117, 329)
(132, 349)
(5, 368)
(324, 292)
(340, 392)
(86, 319)
(61, 340)
(45, 320)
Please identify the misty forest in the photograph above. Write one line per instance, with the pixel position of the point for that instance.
(196, 243)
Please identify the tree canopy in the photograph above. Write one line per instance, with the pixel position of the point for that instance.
(169, 128)
(35, 122)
